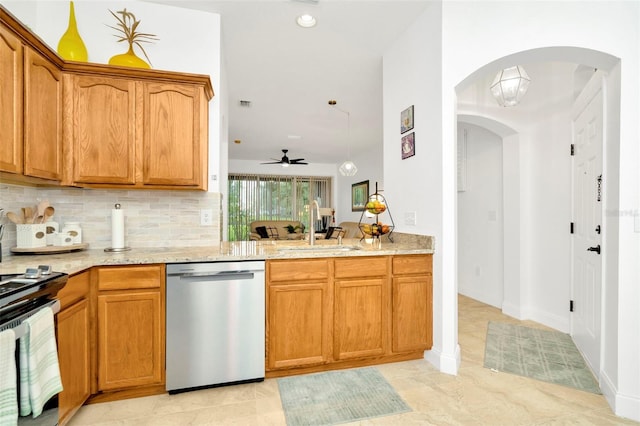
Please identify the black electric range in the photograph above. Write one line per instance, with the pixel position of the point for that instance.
(21, 293)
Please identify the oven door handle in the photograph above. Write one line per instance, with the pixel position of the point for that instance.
(21, 329)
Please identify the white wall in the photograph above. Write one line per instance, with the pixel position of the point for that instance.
(480, 217)
(412, 76)
(467, 39)
(543, 122)
(369, 166)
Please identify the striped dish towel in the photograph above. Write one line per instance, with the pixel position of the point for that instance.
(39, 370)
(8, 385)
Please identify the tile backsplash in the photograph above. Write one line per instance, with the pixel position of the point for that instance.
(153, 218)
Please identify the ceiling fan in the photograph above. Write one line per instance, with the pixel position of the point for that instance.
(285, 161)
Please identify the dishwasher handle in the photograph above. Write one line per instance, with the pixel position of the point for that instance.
(217, 276)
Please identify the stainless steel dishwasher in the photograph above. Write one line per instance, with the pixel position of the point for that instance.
(215, 324)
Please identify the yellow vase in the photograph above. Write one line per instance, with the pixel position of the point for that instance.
(128, 59)
(71, 46)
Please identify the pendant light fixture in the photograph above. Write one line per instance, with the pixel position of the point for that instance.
(510, 85)
(348, 168)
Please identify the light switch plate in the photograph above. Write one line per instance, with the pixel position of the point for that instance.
(206, 217)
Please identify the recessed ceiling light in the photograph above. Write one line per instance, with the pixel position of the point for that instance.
(306, 21)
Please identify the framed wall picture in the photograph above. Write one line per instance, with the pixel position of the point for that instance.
(408, 145)
(406, 120)
(359, 195)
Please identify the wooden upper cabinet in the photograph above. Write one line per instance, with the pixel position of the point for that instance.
(11, 63)
(101, 132)
(95, 125)
(42, 117)
(174, 137)
(137, 133)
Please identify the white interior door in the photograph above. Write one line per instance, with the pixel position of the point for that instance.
(587, 123)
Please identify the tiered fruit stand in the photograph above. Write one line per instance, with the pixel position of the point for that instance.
(375, 211)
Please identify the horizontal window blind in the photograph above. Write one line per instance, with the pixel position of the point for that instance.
(273, 197)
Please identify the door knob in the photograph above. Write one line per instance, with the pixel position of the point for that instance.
(596, 249)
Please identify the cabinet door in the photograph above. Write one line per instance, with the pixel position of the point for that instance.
(360, 318)
(174, 134)
(299, 325)
(102, 133)
(74, 358)
(11, 66)
(412, 313)
(130, 343)
(43, 117)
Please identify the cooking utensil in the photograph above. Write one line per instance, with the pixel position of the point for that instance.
(14, 218)
(48, 213)
(42, 205)
(27, 213)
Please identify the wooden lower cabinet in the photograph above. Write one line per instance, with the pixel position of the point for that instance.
(298, 298)
(111, 335)
(74, 345)
(412, 303)
(130, 352)
(303, 309)
(347, 312)
(131, 336)
(361, 307)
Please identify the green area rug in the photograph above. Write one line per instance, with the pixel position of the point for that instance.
(338, 397)
(544, 355)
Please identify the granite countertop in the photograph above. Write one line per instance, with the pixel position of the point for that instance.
(78, 261)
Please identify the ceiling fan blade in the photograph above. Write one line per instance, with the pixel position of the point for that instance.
(285, 161)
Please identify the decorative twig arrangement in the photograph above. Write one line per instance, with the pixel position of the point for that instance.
(127, 26)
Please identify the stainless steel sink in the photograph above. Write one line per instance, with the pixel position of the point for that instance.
(319, 248)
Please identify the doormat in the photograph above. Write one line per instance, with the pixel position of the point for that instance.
(338, 397)
(550, 356)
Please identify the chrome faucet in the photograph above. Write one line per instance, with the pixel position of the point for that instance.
(312, 231)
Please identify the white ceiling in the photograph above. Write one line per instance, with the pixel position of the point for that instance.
(290, 73)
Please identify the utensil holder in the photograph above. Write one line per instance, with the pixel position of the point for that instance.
(31, 235)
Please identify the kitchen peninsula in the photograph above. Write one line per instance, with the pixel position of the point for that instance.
(327, 307)
(72, 263)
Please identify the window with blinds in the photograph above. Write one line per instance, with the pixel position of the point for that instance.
(273, 197)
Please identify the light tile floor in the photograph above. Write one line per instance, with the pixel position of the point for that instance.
(476, 396)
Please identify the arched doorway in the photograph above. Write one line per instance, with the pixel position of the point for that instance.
(540, 280)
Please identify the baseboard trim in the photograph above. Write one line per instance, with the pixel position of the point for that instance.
(512, 310)
(446, 363)
(626, 406)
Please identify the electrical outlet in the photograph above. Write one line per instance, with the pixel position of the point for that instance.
(410, 218)
(206, 217)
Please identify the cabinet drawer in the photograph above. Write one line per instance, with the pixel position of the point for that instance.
(412, 264)
(298, 270)
(361, 267)
(129, 277)
(76, 288)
